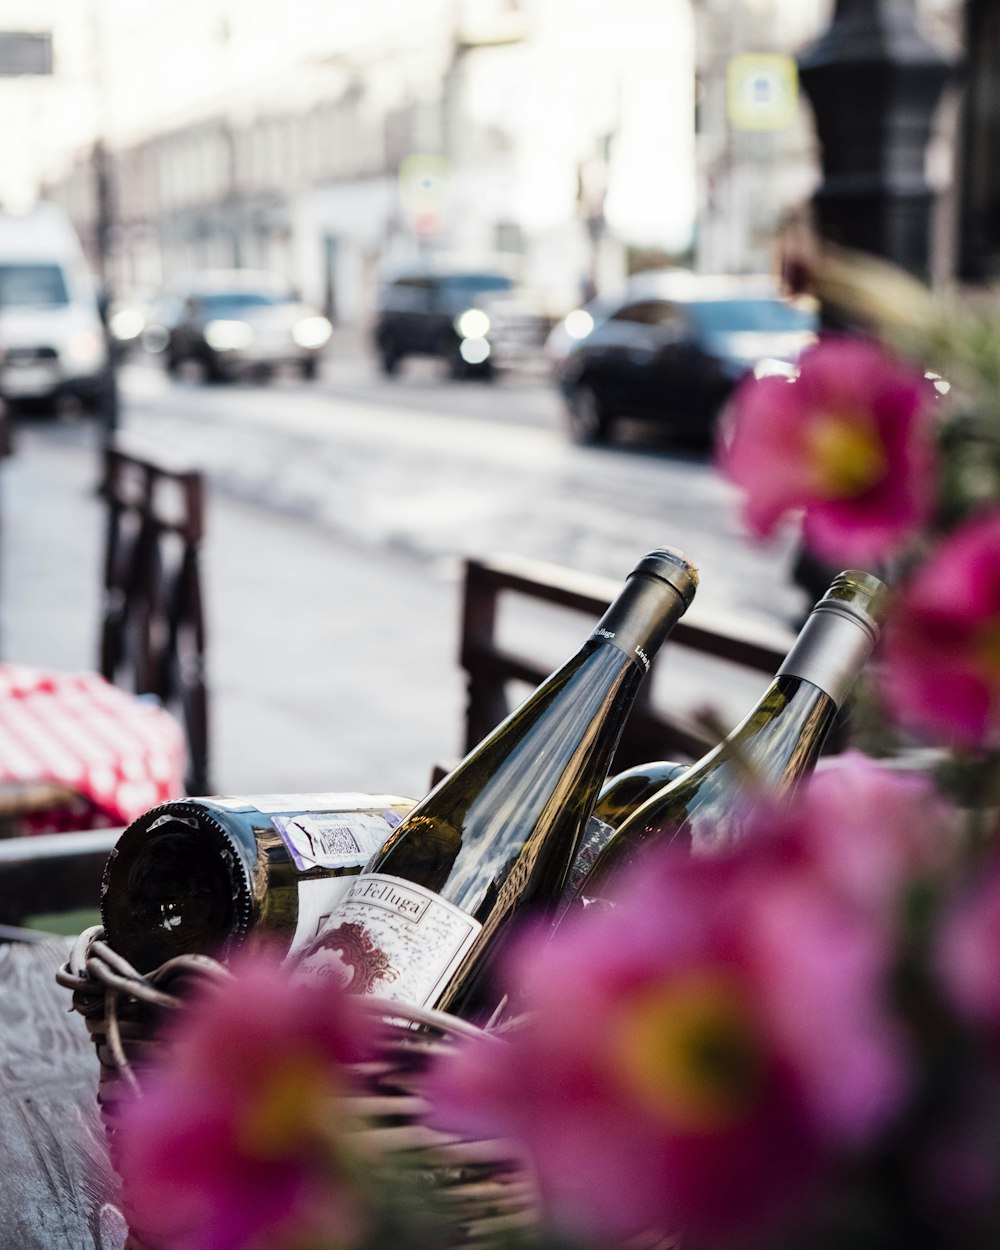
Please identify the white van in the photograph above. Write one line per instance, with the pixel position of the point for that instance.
(52, 340)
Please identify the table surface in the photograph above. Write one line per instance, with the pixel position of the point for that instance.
(57, 1189)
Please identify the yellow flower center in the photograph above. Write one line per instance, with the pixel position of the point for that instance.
(846, 454)
(688, 1052)
(285, 1109)
(987, 650)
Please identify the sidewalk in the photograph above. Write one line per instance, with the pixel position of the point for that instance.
(328, 669)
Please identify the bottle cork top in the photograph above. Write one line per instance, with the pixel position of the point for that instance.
(862, 595)
(673, 567)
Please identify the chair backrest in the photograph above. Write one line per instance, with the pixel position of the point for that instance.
(153, 627)
(717, 655)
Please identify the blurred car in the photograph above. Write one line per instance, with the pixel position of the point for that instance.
(576, 325)
(475, 319)
(671, 350)
(236, 323)
(52, 338)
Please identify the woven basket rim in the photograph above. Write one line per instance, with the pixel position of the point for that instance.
(94, 966)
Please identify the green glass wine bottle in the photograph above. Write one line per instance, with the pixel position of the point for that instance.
(495, 838)
(771, 750)
(205, 875)
(626, 791)
(619, 797)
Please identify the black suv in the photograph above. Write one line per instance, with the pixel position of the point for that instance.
(440, 312)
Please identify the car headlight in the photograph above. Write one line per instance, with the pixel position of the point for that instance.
(578, 324)
(311, 331)
(228, 336)
(85, 348)
(472, 324)
(155, 338)
(474, 351)
(126, 324)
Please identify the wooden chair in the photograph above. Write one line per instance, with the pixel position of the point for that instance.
(153, 627)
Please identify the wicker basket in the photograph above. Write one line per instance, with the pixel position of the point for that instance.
(486, 1185)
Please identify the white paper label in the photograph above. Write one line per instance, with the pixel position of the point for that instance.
(392, 938)
(333, 839)
(318, 900)
(309, 802)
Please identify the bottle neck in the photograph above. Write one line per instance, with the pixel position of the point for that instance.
(781, 738)
(641, 618)
(831, 650)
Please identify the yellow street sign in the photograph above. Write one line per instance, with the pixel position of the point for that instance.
(423, 182)
(762, 90)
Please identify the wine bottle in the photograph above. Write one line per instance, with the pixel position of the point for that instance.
(204, 875)
(772, 749)
(618, 798)
(495, 838)
(625, 791)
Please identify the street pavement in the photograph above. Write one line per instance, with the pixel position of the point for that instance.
(310, 690)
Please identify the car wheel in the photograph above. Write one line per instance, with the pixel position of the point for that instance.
(457, 367)
(212, 371)
(388, 357)
(587, 422)
(104, 404)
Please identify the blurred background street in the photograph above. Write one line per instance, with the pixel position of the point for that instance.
(339, 513)
(409, 285)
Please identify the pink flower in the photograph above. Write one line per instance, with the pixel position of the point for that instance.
(870, 829)
(941, 649)
(968, 950)
(848, 441)
(689, 1058)
(234, 1143)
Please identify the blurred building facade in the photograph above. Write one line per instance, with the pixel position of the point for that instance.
(322, 138)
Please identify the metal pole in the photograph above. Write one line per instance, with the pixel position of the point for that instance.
(874, 82)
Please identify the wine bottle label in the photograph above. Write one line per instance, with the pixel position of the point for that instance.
(334, 839)
(392, 938)
(317, 901)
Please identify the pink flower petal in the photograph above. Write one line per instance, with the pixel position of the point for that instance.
(876, 404)
(941, 652)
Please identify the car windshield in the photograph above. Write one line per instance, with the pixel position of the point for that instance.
(32, 286)
(727, 316)
(232, 303)
(470, 283)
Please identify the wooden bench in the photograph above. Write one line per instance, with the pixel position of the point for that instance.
(48, 874)
(660, 726)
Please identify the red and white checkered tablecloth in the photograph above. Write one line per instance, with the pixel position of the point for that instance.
(121, 753)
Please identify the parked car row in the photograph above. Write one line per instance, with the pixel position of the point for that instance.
(667, 351)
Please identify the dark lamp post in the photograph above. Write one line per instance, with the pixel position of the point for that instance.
(874, 82)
